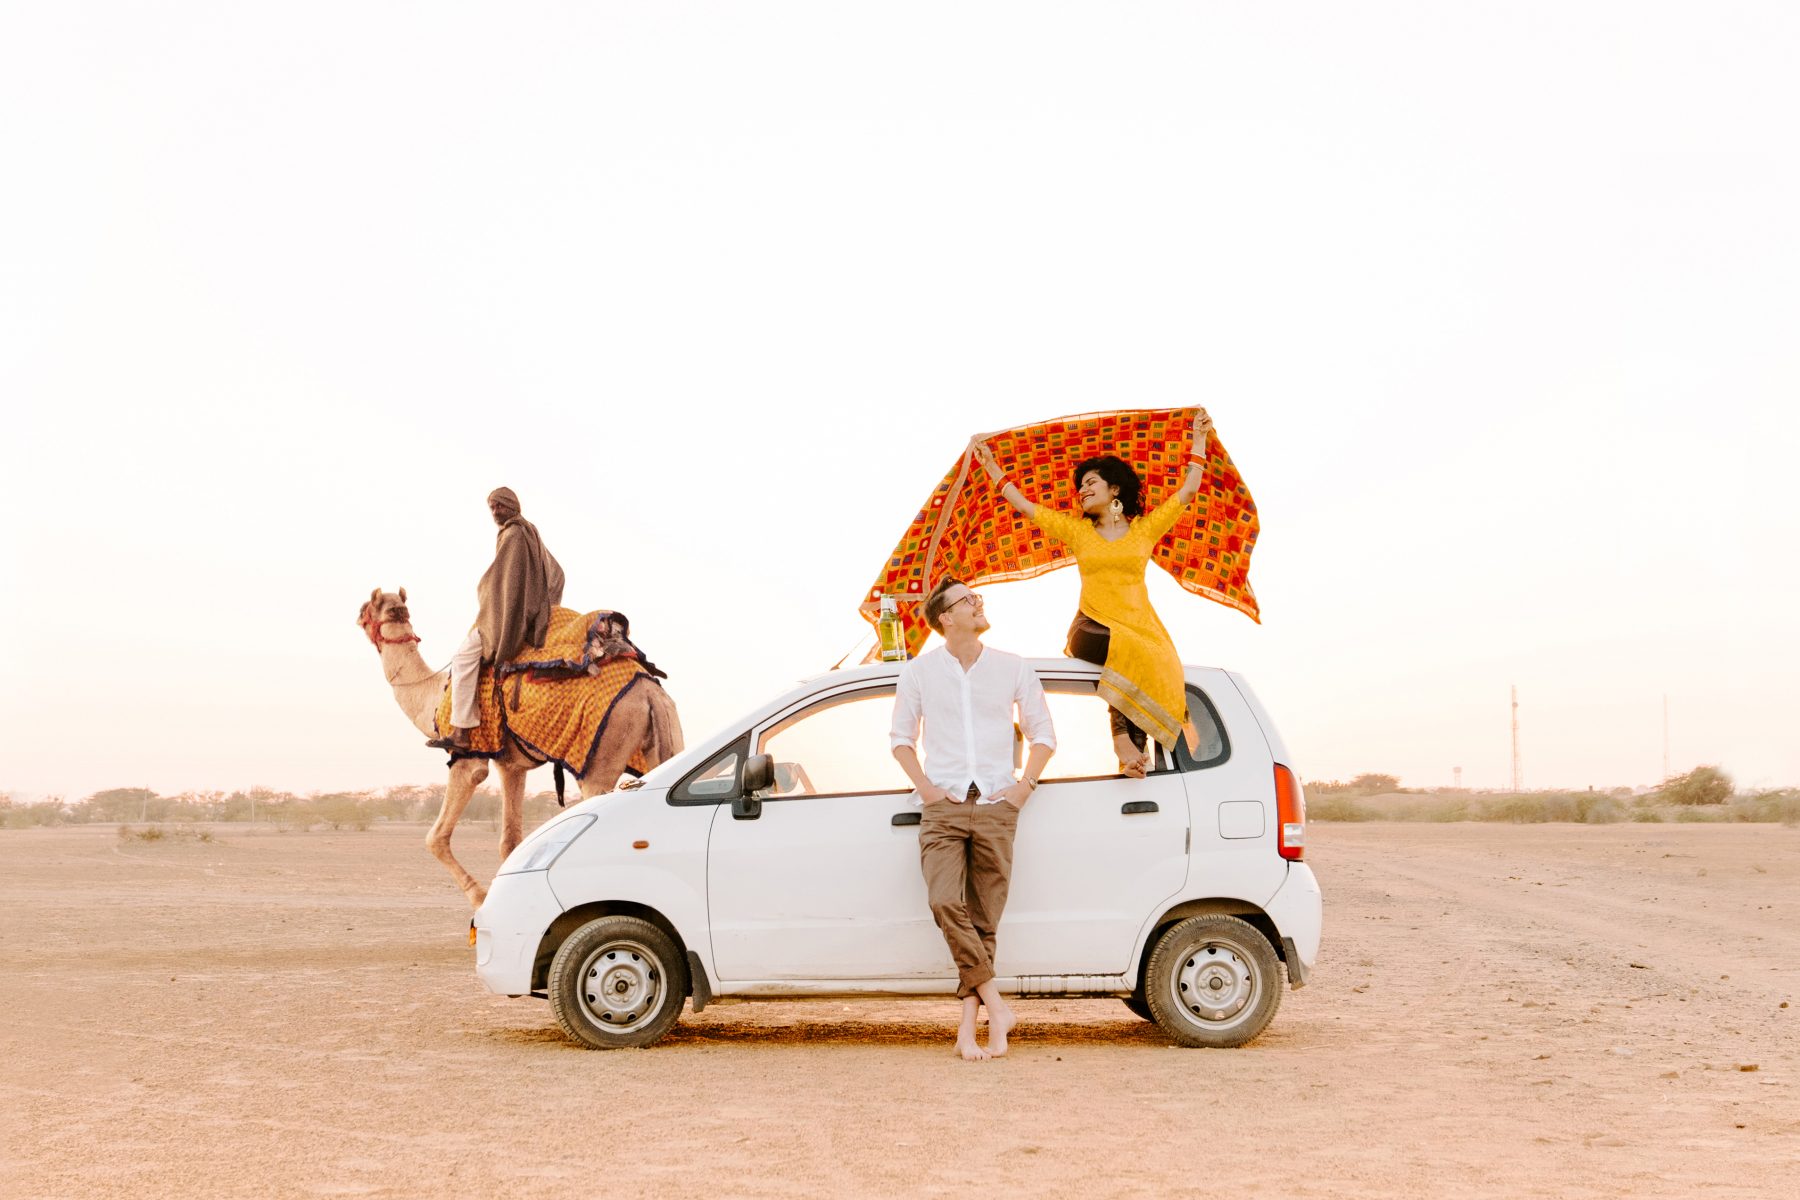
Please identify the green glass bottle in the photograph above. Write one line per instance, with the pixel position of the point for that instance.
(893, 639)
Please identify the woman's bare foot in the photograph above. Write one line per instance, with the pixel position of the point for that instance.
(1132, 761)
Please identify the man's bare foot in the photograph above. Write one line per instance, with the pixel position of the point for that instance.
(1001, 1018)
(966, 1045)
(1000, 1023)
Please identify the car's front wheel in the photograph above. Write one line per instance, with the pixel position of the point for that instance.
(617, 982)
(1213, 981)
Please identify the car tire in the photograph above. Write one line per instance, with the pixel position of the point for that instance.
(617, 983)
(1213, 981)
(1135, 1002)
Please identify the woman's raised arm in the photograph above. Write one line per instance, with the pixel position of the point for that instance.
(1196, 472)
(1008, 489)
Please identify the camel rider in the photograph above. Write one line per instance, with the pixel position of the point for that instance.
(516, 594)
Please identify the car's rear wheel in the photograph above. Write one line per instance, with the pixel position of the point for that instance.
(617, 982)
(1213, 981)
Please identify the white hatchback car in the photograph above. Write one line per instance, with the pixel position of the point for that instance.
(779, 859)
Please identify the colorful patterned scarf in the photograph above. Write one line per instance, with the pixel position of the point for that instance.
(968, 531)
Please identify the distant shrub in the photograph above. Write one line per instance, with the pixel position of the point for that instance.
(1520, 810)
(1439, 810)
(14, 815)
(1647, 816)
(1782, 806)
(156, 833)
(1702, 785)
(1363, 785)
(1602, 810)
(1700, 815)
(1335, 808)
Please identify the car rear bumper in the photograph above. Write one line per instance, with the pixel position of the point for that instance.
(509, 927)
(1298, 912)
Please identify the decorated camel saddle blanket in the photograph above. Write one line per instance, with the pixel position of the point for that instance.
(555, 699)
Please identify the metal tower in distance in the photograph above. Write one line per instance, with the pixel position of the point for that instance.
(1518, 776)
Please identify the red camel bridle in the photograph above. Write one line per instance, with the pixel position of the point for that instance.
(372, 623)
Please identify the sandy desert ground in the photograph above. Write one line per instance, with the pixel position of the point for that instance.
(1550, 1010)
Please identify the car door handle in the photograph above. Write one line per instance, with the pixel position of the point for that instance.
(1138, 806)
(907, 818)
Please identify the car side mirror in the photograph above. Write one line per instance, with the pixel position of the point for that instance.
(759, 777)
(759, 773)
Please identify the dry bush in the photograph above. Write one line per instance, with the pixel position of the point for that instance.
(1519, 808)
(1702, 785)
(1690, 815)
(1782, 806)
(156, 833)
(1335, 808)
(1439, 809)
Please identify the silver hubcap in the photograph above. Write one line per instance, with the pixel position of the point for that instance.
(621, 986)
(1215, 984)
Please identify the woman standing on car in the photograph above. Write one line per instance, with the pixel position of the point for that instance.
(1114, 626)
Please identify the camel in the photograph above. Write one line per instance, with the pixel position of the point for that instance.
(644, 719)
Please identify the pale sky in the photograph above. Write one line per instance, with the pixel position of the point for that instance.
(1494, 306)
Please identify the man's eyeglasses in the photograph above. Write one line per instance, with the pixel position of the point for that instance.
(974, 601)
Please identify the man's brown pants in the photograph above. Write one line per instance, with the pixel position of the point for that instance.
(966, 852)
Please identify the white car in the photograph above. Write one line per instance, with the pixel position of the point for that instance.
(779, 859)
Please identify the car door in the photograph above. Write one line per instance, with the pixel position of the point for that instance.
(821, 883)
(1096, 853)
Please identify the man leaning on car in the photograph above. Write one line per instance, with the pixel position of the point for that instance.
(965, 694)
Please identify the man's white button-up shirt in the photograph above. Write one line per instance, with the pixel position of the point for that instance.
(968, 717)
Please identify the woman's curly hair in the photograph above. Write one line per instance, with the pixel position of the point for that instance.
(1117, 472)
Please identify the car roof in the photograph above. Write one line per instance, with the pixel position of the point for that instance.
(890, 670)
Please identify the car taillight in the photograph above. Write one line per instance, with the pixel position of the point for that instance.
(1290, 809)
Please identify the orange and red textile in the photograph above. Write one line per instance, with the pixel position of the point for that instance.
(968, 531)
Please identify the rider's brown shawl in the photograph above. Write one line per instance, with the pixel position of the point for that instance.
(517, 592)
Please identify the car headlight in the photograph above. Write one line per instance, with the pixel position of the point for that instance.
(546, 845)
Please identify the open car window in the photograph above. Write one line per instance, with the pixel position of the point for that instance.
(836, 747)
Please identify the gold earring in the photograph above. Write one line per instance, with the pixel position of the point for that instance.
(1116, 507)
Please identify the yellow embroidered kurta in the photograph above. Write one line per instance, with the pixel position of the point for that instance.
(1142, 677)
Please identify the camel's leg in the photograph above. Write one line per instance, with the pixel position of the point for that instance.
(466, 775)
(512, 806)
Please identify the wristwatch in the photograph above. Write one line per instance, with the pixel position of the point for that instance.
(1029, 782)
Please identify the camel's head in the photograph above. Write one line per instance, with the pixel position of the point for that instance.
(385, 619)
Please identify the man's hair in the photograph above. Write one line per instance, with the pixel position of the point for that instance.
(936, 603)
(1118, 472)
